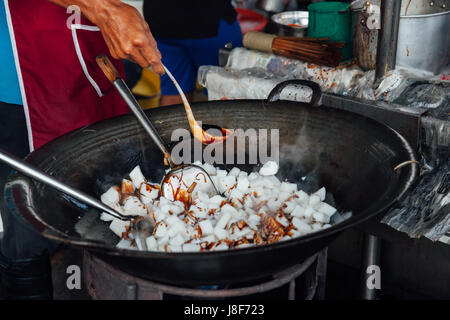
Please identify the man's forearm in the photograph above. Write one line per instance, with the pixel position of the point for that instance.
(91, 9)
(124, 30)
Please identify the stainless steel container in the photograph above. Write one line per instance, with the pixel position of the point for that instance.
(424, 42)
(286, 23)
(423, 39)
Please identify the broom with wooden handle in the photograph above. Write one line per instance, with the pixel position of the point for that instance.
(317, 51)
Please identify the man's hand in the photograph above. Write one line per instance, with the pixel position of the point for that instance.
(124, 29)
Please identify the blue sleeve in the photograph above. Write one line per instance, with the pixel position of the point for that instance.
(9, 82)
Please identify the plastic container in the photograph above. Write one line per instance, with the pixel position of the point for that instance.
(332, 20)
(250, 20)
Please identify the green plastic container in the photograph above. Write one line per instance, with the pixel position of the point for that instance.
(333, 20)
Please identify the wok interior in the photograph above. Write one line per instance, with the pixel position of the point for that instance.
(353, 157)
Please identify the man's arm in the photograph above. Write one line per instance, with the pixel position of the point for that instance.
(124, 29)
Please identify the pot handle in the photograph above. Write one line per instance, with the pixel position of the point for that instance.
(274, 95)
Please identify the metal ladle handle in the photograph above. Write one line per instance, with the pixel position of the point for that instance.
(114, 77)
(31, 171)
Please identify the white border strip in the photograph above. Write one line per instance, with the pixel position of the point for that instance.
(74, 28)
(19, 75)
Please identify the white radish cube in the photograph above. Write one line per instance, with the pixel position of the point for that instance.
(230, 209)
(258, 192)
(290, 206)
(254, 220)
(270, 168)
(106, 217)
(111, 196)
(236, 194)
(326, 225)
(234, 172)
(314, 201)
(206, 227)
(298, 211)
(178, 240)
(281, 219)
(221, 246)
(316, 226)
(173, 220)
(137, 177)
(296, 233)
(217, 200)
(283, 196)
(215, 181)
(257, 183)
(118, 226)
(209, 239)
(243, 174)
(308, 213)
(227, 182)
(224, 219)
(127, 187)
(165, 209)
(158, 214)
(252, 176)
(210, 169)
(273, 205)
(134, 207)
(288, 187)
(177, 207)
(243, 184)
(174, 248)
(274, 181)
(162, 242)
(152, 244)
(243, 245)
(220, 233)
(191, 247)
(321, 193)
(175, 229)
(241, 233)
(160, 230)
(163, 201)
(249, 203)
(197, 212)
(124, 244)
(303, 197)
(221, 173)
(325, 208)
(301, 225)
(320, 217)
(148, 193)
(202, 197)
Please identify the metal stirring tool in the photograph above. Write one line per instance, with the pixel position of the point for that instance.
(182, 180)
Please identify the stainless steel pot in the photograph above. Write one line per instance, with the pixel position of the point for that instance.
(424, 42)
(423, 39)
(284, 23)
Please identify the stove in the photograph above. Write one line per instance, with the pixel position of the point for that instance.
(304, 281)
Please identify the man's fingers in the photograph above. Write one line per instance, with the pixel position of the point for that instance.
(139, 58)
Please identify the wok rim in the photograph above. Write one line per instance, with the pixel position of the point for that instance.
(102, 247)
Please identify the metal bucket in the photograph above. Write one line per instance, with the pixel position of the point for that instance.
(423, 39)
(424, 42)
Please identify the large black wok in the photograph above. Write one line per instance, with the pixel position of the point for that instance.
(352, 156)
